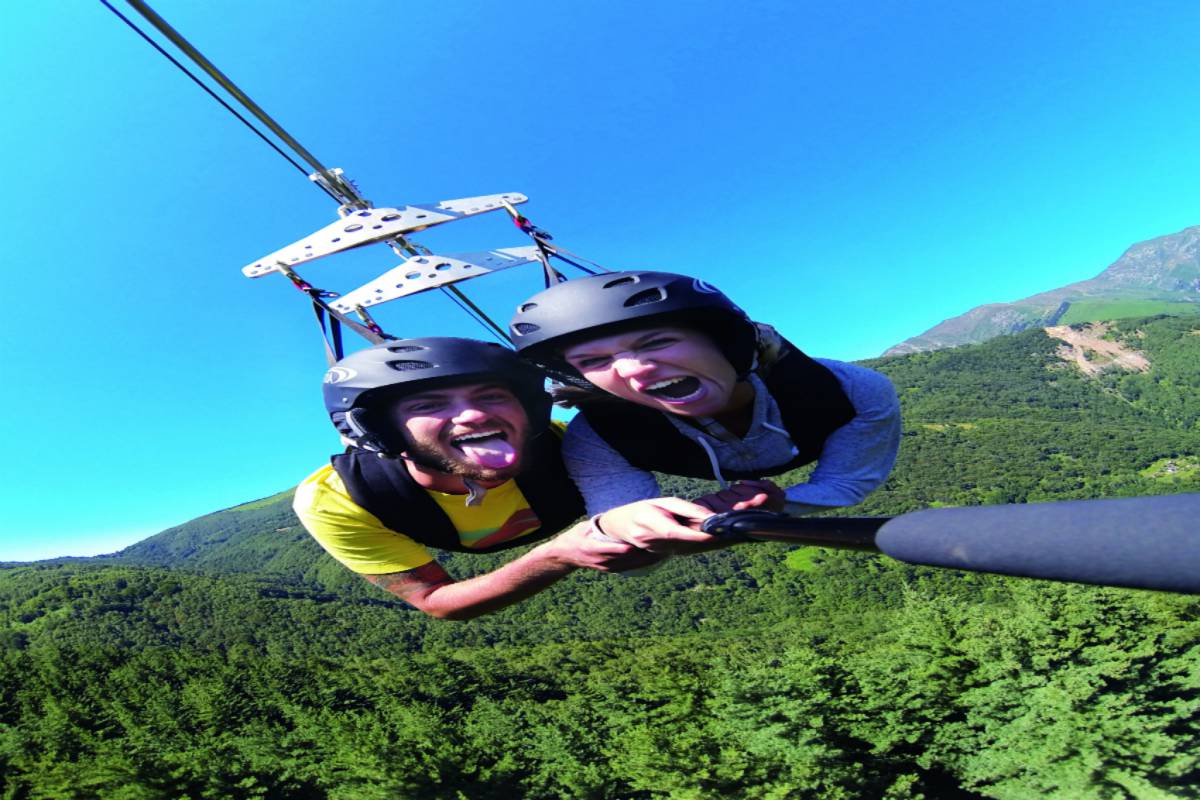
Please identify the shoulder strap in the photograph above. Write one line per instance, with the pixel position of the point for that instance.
(384, 487)
(811, 401)
(551, 493)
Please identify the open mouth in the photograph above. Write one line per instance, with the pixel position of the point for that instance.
(674, 389)
(489, 449)
(478, 438)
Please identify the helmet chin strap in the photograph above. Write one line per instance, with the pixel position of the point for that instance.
(362, 436)
(475, 492)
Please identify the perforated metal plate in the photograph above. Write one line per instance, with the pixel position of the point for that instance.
(421, 273)
(375, 225)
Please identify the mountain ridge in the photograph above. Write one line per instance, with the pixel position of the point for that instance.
(1159, 275)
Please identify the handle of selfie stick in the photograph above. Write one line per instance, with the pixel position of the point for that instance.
(844, 533)
(1137, 542)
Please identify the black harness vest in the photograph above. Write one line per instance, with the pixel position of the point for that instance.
(384, 487)
(811, 402)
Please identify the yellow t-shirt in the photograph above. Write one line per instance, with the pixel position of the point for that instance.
(356, 537)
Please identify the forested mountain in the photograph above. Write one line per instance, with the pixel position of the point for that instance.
(1159, 276)
(228, 657)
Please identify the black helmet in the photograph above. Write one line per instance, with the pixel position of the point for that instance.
(392, 369)
(600, 305)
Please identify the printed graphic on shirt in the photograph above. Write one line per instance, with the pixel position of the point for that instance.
(361, 542)
(519, 524)
(504, 514)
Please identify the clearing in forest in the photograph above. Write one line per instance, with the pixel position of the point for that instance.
(1092, 353)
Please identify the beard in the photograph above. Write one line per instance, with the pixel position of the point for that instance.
(445, 458)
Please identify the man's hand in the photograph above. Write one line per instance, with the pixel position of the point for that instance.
(666, 525)
(742, 495)
(433, 591)
(580, 547)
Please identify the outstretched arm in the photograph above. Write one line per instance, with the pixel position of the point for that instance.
(432, 590)
(605, 479)
(858, 457)
(642, 534)
(405, 568)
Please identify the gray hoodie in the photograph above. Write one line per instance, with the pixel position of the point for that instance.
(855, 460)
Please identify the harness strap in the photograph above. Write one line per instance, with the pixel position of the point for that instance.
(546, 250)
(383, 487)
(332, 335)
(811, 402)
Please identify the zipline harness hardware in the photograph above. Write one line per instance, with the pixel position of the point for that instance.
(360, 223)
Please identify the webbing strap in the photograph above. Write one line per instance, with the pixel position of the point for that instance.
(333, 351)
(457, 293)
(545, 250)
(332, 335)
(558, 253)
(551, 275)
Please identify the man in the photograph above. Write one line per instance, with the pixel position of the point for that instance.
(451, 447)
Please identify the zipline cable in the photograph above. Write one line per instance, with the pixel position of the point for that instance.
(350, 196)
(225, 83)
(210, 92)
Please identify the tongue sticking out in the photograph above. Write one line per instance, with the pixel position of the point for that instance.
(490, 453)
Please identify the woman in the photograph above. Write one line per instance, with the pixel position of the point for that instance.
(690, 386)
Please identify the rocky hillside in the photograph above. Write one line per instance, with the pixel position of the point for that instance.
(1158, 276)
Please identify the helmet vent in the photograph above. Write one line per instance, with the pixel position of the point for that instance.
(620, 281)
(526, 327)
(405, 366)
(645, 298)
(527, 307)
(405, 348)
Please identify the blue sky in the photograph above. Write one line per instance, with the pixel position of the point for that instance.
(853, 173)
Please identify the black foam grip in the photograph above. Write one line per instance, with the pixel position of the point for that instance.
(1139, 542)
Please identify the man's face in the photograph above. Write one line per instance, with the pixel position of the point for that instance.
(476, 430)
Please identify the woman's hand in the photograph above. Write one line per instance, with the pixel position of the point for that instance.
(763, 494)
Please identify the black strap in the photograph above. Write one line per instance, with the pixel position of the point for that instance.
(810, 399)
(384, 487)
(333, 349)
(333, 352)
(558, 253)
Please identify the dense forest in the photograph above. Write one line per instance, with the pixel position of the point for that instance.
(229, 657)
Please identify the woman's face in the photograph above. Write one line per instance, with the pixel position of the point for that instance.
(677, 370)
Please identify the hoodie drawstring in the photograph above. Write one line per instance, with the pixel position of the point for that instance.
(712, 459)
(784, 434)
